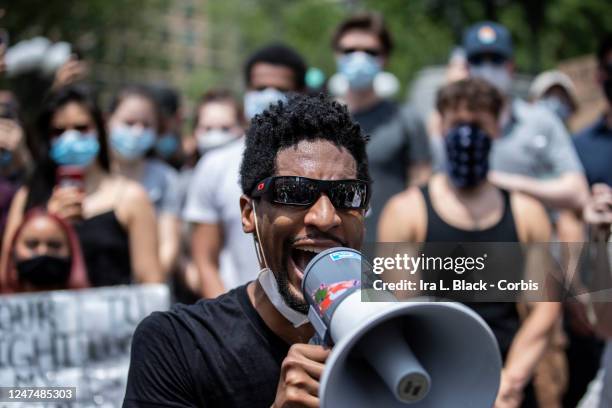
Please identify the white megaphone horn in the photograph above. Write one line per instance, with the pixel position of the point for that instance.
(389, 354)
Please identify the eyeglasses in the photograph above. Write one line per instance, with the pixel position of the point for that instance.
(480, 59)
(302, 191)
(370, 51)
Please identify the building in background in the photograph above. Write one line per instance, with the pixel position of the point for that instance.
(181, 47)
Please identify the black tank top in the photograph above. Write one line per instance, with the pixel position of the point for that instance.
(106, 249)
(502, 317)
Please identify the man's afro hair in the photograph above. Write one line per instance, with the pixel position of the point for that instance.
(285, 124)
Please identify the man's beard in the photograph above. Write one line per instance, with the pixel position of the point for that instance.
(282, 281)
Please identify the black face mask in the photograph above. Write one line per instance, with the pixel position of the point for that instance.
(44, 271)
(467, 147)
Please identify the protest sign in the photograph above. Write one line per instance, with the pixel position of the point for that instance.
(74, 338)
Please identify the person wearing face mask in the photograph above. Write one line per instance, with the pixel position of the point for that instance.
(14, 154)
(133, 123)
(270, 73)
(222, 253)
(248, 347)
(218, 125)
(113, 216)
(45, 255)
(461, 205)
(534, 154)
(168, 146)
(556, 92)
(399, 147)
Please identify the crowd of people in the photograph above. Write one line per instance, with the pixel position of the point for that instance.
(95, 197)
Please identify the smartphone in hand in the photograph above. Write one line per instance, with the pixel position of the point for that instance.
(70, 176)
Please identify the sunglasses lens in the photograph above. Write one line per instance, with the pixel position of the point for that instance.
(480, 59)
(294, 191)
(349, 194)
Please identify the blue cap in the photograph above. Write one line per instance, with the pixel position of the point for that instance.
(487, 37)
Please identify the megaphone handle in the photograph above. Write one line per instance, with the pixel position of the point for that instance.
(320, 328)
(316, 340)
(391, 357)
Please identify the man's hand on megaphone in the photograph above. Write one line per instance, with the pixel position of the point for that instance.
(301, 370)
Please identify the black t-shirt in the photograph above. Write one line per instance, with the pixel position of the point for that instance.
(397, 140)
(215, 353)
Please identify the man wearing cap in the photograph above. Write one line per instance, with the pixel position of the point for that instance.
(555, 91)
(535, 154)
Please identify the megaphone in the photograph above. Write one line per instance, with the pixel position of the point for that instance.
(395, 354)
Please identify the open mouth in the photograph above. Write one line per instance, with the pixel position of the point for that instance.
(300, 256)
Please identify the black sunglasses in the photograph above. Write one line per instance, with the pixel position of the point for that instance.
(371, 51)
(302, 191)
(480, 59)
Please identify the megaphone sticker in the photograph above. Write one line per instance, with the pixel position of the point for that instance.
(336, 256)
(325, 295)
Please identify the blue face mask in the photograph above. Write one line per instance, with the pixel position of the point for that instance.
(255, 102)
(556, 106)
(167, 145)
(467, 149)
(73, 148)
(6, 158)
(359, 68)
(130, 143)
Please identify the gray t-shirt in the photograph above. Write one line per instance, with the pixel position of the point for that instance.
(534, 143)
(397, 140)
(214, 198)
(160, 182)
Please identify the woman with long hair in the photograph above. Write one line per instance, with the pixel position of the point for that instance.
(113, 216)
(134, 122)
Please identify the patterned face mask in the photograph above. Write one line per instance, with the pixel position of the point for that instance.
(467, 148)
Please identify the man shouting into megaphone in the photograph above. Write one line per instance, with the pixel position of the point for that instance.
(304, 173)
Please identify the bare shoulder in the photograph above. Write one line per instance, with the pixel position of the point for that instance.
(134, 193)
(406, 200)
(531, 218)
(402, 216)
(133, 199)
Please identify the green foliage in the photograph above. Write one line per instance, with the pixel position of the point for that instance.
(88, 24)
(424, 30)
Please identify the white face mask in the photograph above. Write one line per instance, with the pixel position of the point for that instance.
(267, 280)
(213, 138)
(496, 74)
(255, 102)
